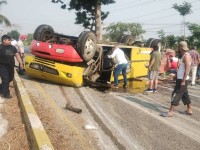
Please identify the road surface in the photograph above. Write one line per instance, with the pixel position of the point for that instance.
(114, 119)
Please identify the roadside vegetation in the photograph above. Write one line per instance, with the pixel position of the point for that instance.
(90, 16)
(3, 19)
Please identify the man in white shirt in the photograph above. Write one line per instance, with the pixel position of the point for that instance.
(121, 65)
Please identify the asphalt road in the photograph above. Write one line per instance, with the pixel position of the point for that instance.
(114, 119)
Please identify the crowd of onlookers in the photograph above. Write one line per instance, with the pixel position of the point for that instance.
(194, 68)
(183, 66)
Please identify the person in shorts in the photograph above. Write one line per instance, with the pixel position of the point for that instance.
(182, 81)
(154, 65)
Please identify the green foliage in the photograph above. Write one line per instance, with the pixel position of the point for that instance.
(161, 35)
(2, 2)
(88, 5)
(183, 9)
(14, 34)
(195, 37)
(115, 30)
(2, 17)
(86, 11)
(171, 41)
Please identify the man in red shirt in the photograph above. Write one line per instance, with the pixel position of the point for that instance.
(172, 64)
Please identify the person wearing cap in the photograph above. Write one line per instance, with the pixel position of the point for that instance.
(180, 90)
(20, 46)
(195, 62)
(7, 63)
(154, 65)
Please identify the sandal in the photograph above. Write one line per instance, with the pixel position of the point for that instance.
(166, 114)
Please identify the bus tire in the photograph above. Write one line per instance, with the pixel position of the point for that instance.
(128, 40)
(149, 41)
(87, 45)
(43, 33)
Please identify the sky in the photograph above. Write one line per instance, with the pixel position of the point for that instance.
(153, 15)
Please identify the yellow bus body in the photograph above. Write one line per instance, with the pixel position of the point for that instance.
(66, 74)
(71, 74)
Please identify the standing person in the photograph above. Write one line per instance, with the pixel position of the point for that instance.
(195, 62)
(7, 63)
(121, 65)
(20, 45)
(182, 81)
(154, 65)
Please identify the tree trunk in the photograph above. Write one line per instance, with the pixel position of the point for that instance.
(98, 28)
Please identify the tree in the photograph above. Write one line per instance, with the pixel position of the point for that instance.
(14, 34)
(115, 30)
(88, 13)
(171, 41)
(161, 35)
(2, 17)
(195, 37)
(184, 10)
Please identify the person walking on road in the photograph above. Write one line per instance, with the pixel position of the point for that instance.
(182, 81)
(195, 62)
(154, 65)
(7, 63)
(121, 65)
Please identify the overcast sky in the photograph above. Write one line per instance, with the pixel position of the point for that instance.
(154, 15)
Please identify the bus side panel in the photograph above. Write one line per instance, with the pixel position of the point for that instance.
(139, 59)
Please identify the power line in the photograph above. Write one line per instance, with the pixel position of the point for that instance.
(142, 4)
(156, 12)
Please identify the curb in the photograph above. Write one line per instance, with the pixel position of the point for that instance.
(39, 139)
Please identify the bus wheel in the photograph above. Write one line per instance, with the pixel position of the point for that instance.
(120, 38)
(157, 42)
(43, 33)
(149, 41)
(87, 45)
(128, 40)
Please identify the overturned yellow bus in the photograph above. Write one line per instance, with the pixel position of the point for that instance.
(74, 60)
(99, 69)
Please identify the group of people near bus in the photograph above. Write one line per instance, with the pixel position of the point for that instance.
(187, 62)
(181, 66)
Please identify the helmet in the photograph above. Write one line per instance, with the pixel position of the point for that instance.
(22, 37)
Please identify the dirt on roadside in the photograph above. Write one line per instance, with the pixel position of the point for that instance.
(16, 137)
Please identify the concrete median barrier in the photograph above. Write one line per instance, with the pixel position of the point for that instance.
(39, 139)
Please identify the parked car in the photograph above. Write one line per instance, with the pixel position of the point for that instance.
(74, 61)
